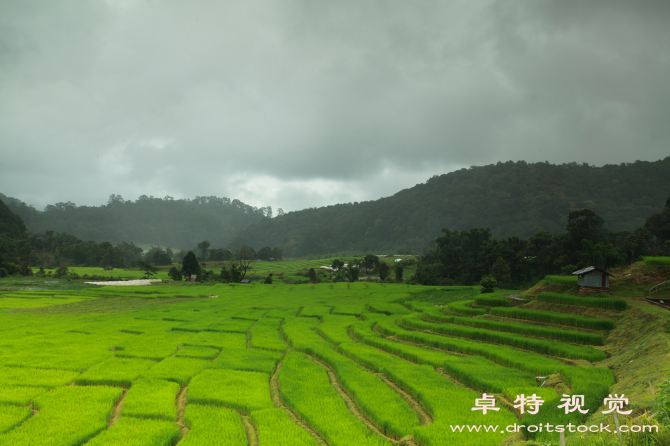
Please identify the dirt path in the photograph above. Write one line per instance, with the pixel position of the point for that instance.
(351, 403)
(116, 411)
(180, 404)
(249, 335)
(250, 429)
(421, 413)
(277, 401)
(414, 404)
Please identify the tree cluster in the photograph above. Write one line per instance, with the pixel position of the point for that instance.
(466, 257)
(160, 221)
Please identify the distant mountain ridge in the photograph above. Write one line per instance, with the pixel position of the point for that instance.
(510, 198)
(161, 221)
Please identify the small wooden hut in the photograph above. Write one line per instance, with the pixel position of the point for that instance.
(592, 277)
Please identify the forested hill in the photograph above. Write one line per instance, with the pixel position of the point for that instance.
(159, 221)
(512, 198)
(509, 198)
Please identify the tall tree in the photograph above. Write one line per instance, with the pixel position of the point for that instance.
(384, 271)
(190, 265)
(245, 257)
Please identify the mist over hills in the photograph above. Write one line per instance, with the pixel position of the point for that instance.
(510, 198)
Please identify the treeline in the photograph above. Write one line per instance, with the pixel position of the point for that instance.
(21, 251)
(467, 257)
(512, 199)
(160, 221)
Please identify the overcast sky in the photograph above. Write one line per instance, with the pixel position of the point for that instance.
(307, 103)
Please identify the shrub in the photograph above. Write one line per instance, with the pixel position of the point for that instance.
(175, 274)
(488, 284)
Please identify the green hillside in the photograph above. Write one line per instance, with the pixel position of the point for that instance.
(512, 199)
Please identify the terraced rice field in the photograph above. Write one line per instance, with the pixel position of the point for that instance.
(280, 365)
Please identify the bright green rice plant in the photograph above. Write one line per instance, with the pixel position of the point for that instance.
(388, 308)
(462, 306)
(248, 359)
(546, 393)
(555, 318)
(663, 261)
(575, 337)
(492, 301)
(11, 416)
(138, 432)
(419, 306)
(265, 335)
(281, 313)
(232, 325)
(275, 428)
(550, 413)
(353, 310)
(499, 354)
(151, 398)
(305, 388)
(178, 370)
(199, 352)
(68, 351)
(18, 395)
(389, 412)
(69, 415)
(250, 314)
(334, 328)
(7, 301)
(35, 377)
(243, 391)
(596, 302)
(537, 345)
(211, 425)
(446, 403)
(154, 346)
(115, 372)
(315, 311)
(218, 339)
(474, 371)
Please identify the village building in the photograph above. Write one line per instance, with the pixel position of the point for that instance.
(592, 277)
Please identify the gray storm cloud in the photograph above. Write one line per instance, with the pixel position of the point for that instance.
(296, 104)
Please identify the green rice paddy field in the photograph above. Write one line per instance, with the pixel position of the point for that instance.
(281, 365)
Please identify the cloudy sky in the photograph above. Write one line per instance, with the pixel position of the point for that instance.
(305, 103)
